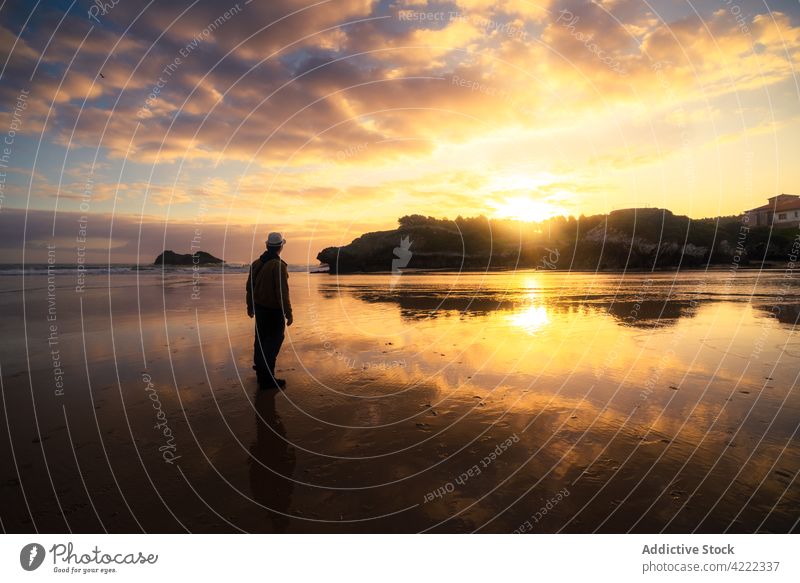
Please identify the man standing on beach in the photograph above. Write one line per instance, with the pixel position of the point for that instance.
(268, 301)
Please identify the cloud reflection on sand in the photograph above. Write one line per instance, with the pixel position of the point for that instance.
(650, 397)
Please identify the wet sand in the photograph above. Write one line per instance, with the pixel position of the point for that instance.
(528, 401)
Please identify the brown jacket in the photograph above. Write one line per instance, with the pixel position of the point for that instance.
(268, 285)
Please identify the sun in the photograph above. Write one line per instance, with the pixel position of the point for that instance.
(523, 208)
(532, 319)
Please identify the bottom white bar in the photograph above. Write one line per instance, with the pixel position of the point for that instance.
(406, 558)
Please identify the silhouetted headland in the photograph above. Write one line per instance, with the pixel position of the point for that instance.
(630, 239)
(199, 258)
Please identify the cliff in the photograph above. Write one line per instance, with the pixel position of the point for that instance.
(625, 239)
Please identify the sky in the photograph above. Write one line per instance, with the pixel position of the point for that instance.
(140, 125)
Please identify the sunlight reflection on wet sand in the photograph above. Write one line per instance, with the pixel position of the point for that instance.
(658, 402)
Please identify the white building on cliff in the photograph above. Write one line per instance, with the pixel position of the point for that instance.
(782, 210)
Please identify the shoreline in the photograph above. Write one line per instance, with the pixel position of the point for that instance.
(445, 270)
(123, 268)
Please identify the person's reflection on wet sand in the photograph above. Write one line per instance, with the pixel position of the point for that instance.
(272, 459)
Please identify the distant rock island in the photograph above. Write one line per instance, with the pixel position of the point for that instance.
(636, 239)
(188, 259)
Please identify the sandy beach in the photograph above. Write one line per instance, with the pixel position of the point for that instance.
(503, 402)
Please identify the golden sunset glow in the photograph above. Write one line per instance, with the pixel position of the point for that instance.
(354, 113)
(401, 266)
(525, 209)
(531, 319)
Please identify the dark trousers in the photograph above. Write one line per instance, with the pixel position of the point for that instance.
(270, 325)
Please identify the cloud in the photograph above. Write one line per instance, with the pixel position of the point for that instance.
(212, 101)
(263, 101)
(138, 240)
